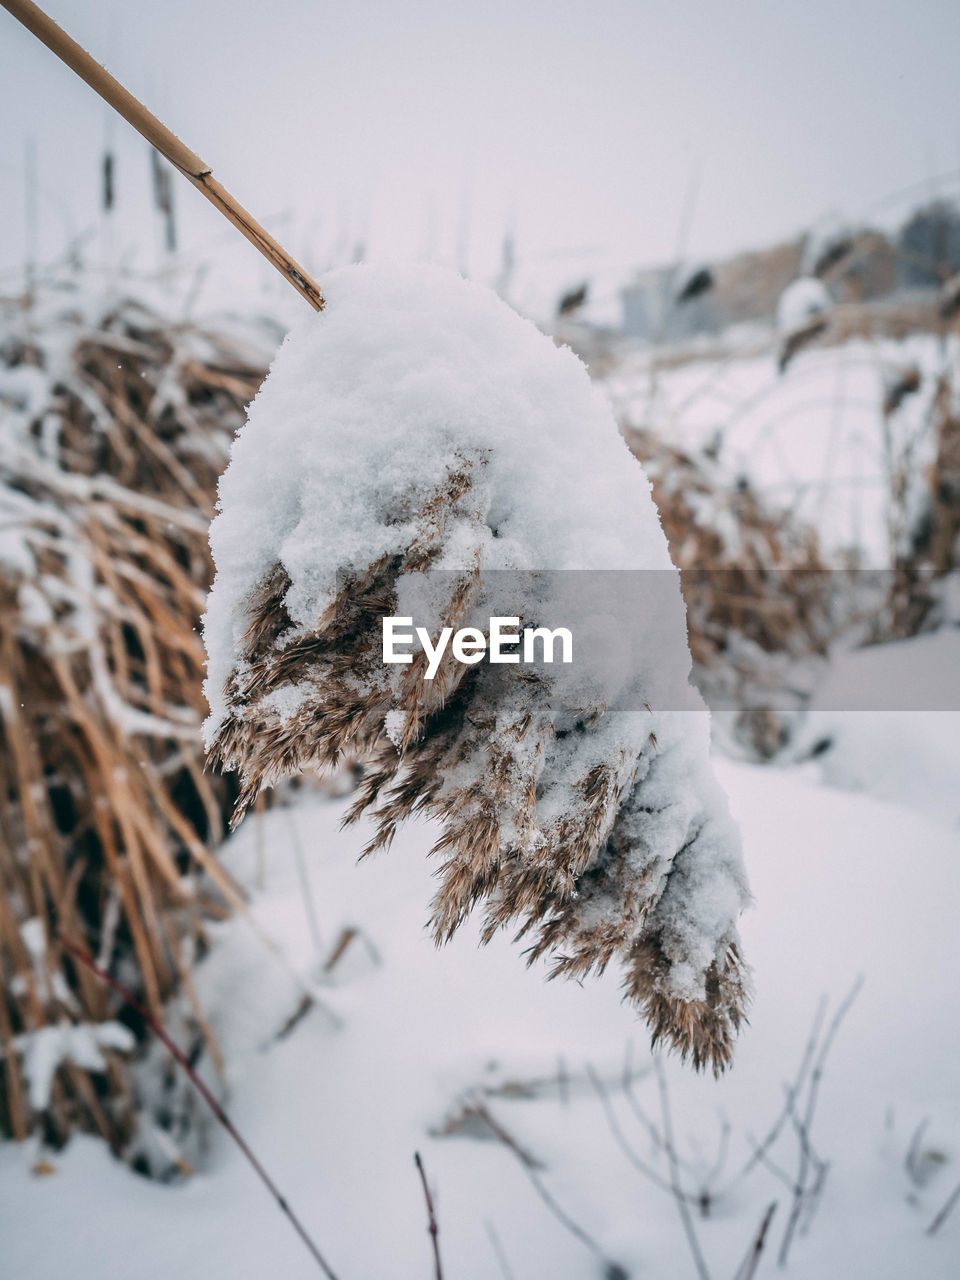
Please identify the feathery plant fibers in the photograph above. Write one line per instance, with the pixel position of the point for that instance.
(417, 425)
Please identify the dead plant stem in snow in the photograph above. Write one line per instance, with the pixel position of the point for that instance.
(81, 957)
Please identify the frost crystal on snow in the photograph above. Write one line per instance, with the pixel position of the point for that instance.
(410, 443)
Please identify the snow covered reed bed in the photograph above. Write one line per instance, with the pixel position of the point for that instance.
(114, 424)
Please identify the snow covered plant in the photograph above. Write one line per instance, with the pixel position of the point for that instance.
(410, 443)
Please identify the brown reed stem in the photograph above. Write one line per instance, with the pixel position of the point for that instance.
(946, 1209)
(431, 1217)
(166, 142)
(82, 957)
(750, 1263)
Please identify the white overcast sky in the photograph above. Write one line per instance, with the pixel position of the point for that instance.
(425, 129)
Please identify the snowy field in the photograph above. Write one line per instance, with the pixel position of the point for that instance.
(535, 1106)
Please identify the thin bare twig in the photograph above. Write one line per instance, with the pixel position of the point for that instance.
(776, 1169)
(306, 888)
(803, 1126)
(911, 1159)
(748, 1267)
(542, 1191)
(806, 1199)
(835, 1023)
(947, 1208)
(652, 1131)
(431, 1217)
(814, 1196)
(703, 1198)
(499, 1253)
(619, 1137)
(792, 1092)
(723, 1149)
(182, 1061)
(799, 1194)
(686, 1217)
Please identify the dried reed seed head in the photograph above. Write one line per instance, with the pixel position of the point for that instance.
(483, 773)
(530, 792)
(702, 1030)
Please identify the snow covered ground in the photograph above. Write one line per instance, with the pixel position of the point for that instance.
(902, 752)
(430, 1042)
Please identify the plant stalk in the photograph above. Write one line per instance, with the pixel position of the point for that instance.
(167, 143)
(82, 957)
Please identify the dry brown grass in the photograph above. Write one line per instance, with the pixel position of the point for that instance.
(944, 480)
(108, 481)
(760, 595)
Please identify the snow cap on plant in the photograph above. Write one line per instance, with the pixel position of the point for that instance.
(409, 442)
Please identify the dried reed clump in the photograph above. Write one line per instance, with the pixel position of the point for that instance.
(941, 543)
(114, 424)
(761, 599)
(578, 828)
(925, 521)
